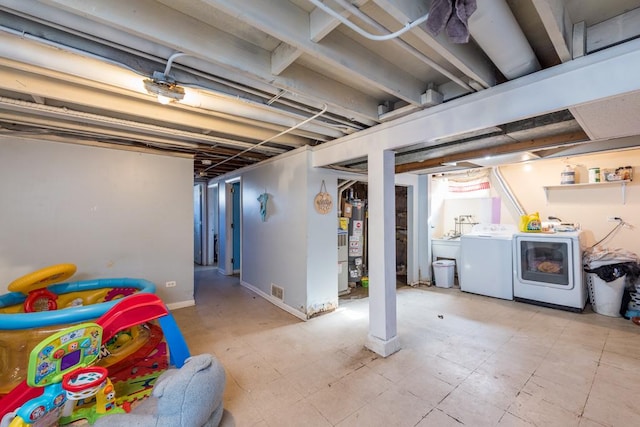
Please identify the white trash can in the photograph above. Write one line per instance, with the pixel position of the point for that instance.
(606, 297)
(444, 270)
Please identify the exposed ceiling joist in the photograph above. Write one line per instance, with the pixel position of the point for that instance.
(291, 25)
(469, 60)
(557, 21)
(218, 48)
(623, 27)
(253, 72)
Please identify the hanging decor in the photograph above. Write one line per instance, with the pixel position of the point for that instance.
(263, 198)
(323, 201)
(476, 181)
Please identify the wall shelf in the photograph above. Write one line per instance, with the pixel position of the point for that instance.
(622, 184)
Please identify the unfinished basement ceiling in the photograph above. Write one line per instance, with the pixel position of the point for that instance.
(260, 78)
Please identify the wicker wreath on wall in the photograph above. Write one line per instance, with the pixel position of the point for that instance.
(323, 201)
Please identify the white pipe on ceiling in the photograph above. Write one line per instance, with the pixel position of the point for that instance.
(315, 116)
(390, 36)
(497, 32)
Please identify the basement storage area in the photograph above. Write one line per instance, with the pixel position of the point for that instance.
(353, 233)
(186, 142)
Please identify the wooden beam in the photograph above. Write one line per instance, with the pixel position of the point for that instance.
(515, 147)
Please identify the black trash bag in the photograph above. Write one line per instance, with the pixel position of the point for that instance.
(608, 273)
(611, 272)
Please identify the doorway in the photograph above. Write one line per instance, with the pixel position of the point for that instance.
(235, 226)
(353, 244)
(197, 223)
(213, 231)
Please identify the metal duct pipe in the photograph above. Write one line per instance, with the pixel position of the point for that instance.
(496, 31)
(507, 191)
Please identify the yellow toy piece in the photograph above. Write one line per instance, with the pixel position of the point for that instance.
(42, 278)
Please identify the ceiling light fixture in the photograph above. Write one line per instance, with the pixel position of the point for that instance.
(164, 87)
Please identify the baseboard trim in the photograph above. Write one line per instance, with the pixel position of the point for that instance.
(181, 304)
(275, 301)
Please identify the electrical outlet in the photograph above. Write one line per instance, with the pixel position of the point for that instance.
(171, 284)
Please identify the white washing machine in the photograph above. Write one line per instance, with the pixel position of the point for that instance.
(486, 260)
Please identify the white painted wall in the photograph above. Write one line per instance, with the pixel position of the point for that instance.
(295, 248)
(322, 247)
(112, 213)
(274, 251)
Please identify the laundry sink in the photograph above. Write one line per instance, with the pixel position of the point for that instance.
(446, 248)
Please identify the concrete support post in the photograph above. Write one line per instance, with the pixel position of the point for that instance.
(382, 337)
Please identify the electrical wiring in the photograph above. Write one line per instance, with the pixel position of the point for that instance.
(620, 224)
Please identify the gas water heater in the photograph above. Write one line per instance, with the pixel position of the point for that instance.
(356, 240)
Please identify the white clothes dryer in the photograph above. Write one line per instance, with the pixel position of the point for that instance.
(547, 269)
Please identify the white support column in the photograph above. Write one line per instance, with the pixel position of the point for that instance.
(421, 220)
(383, 338)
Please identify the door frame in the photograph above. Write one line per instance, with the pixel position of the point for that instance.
(228, 222)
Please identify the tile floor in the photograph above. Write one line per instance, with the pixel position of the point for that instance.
(465, 360)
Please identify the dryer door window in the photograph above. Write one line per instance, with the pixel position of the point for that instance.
(545, 262)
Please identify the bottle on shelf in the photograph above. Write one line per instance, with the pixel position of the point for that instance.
(568, 176)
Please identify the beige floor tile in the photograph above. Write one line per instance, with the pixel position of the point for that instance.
(465, 359)
(336, 362)
(585, 334)
(438, 418)
(251, 370)
(335, 403)
(365, 384)
(494, 389)
(464, 354)
(628, 363)
(240, 405)
(470, 409)
(368, 416)
(570, 398)
(426, 387)
(587, 422)
(540, 412)
(445, 370)
(615, 379)
(612, 406)
(276, 396)
(568, 373)
(296, 415)
(624, 342)
(309, 379)
(394, 407)
(510, 420)
(514, 370)
(396, 367)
